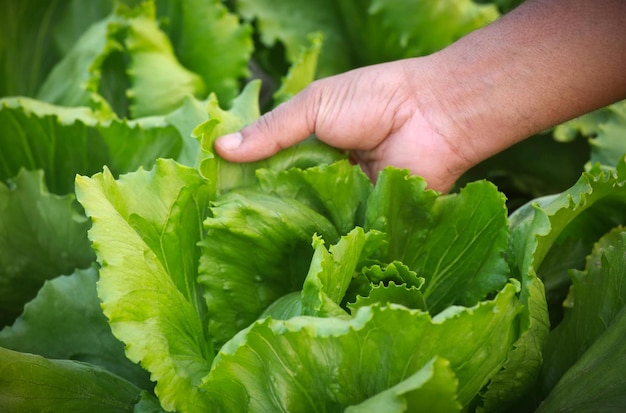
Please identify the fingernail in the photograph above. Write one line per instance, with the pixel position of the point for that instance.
(231, 141)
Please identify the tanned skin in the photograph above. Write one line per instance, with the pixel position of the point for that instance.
(541, 64)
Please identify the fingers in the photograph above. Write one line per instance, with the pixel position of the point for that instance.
(289, 123)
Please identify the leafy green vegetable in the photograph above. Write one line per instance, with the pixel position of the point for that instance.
(210, 41)
(302, 71)
(291, 283)
(439, 238)
(31, 383)
(44, 235)
(65, 141)
(159, 215)
(605, 129)
(27, 51)
(65, 321)
(357, 34)
(319, 364)
(431, 389)
(596, 382)
(596, 296)
(159, 82)
(224, 248)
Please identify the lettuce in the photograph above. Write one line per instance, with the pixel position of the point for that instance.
(33, 383)
(44, 235)
(374, 32)
(75, 330)
(295, 284)
(292, 283)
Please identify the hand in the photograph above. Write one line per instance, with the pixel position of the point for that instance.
(374, 112)
(439, 115)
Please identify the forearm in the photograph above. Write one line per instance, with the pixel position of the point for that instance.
(543, 63)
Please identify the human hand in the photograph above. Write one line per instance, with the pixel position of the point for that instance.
(376, 113)
(441, 114)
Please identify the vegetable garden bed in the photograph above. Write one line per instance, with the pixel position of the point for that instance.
(141, 272)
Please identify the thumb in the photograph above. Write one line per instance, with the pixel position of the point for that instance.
(289, 123)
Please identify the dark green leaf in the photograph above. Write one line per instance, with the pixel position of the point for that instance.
(65, 321)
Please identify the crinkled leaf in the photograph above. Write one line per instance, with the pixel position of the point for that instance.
(596, 382)
(145, 231)
(338, 190)
(597, 294)
(43, 236)
(210, 41)
(301, 72)
(392, 293)
(455, 242)
(539, 231)
(31, 383)
(386, 283)
(395, 272)
(373, 31)
(318, 364)
(224, 176)
(605, 129)
(400, 206)
(598, 196)
(431, 390)
(275, 236)
(332, 269)
(126, 62)
(159, 82)
(68, 141)
(64, 321)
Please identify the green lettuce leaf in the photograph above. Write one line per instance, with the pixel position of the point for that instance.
(31, 383)
(391, 293)
(222, 175)
(66, 141)
(159, 82)
(432, 389)
(74, 81)
(456, 242)
(605, 130)
(331, 272)
(145, 231)
(596, 382)
(44, 235)
(210, 41)
(301, 72)
(372, 32)
(275, 234)
(27, 49)
(553, 234)
(547, 236)
(314, 364)
(338, 190)
(513, 386)
(65, 321)
(596, 296)
(126, 61)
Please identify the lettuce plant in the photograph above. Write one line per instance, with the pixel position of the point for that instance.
(296, 284)
(292, 283)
